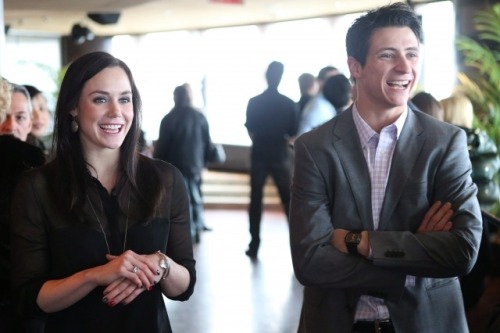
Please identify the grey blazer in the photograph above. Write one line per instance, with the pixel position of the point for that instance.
(331, 189)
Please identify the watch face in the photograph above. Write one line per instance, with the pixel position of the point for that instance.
(353, 237)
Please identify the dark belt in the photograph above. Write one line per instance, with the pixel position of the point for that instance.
(376, 326)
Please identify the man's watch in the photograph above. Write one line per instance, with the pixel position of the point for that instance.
(352, 240)
(164, 264)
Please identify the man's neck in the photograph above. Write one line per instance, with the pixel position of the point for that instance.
(378, 118)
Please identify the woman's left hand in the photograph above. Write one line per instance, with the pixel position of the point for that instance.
(122, 292)
(125, 290)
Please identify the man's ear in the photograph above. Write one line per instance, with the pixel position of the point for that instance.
(354, 67)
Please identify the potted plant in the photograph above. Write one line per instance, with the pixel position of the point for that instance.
(482, 86)
(482, 82)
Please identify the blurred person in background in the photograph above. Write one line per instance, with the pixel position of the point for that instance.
(271, 122)
(41, 120)
(308, 87)
(427, 103)
(184, 141)
(18, 122)
(318, 110)
(458, 110)
(17, 157)
(338, 91)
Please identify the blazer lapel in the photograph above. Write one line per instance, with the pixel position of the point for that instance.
(406, 153)
(354, 165)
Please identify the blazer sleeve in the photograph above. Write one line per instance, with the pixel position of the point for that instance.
(316, 262)
(434, 254)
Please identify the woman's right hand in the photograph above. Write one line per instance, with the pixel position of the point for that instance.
(130, 266)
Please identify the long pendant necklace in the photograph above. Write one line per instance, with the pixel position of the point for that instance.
(102, 228)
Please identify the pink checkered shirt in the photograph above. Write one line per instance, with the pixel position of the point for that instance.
(378, 149)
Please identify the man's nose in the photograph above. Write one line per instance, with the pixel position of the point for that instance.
(404, 65)
(7, 127)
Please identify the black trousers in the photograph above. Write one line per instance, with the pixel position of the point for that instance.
(281, 175)
(193, 186)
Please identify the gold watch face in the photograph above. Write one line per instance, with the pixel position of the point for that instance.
(353, 237)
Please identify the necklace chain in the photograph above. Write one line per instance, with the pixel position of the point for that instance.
(102, 228)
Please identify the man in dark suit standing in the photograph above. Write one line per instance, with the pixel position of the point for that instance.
(184, 140)
(271, 120)
(384, 214)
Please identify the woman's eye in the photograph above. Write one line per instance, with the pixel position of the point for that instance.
(125, 100)
(99, 100)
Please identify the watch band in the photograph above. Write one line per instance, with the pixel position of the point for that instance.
(164, 264)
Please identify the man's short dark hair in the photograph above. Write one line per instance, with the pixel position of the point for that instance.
(182, 97)
(274, 73)
(359, 34)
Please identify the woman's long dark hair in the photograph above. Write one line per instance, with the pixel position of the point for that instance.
(71, 167)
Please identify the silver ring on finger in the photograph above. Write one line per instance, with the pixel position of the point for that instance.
(135, 269)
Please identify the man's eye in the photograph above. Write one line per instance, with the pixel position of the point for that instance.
(413, 55)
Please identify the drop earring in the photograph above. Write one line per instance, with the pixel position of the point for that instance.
(74, 125)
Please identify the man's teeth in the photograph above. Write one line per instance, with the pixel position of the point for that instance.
(398, 84)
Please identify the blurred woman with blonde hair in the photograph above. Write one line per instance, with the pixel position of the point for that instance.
(458, 110)
(5, 93)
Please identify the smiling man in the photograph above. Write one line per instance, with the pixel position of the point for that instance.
(384, 215)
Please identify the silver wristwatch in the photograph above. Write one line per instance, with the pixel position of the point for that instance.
(164, 264)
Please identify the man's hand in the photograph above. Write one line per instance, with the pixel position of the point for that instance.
(337, 239)
(437, 218)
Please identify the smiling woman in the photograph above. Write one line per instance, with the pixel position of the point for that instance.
(105, 111)
(93, 221)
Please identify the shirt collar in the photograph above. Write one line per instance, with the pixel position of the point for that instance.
(365, 132)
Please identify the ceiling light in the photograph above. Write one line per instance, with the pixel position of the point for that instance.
(104, 18)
